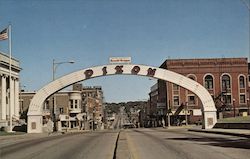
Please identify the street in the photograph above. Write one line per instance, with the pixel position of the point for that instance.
(132, 143)
(80, 145)
(181, 144)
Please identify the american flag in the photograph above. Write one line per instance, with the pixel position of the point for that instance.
(4, 34)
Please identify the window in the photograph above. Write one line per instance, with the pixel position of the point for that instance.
(71, 104)
(242, 82)
(75, 104)
(176, 100)
(175, 87)
(226, 83)
(191, 100)
(242, 98)
(192, 77)
(209, 82)
(46, 105)
(61, 110)
(227, 99)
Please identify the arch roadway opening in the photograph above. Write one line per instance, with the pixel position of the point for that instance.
(36, 106)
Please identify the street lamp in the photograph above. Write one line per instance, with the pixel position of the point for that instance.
(56, 64)
(54, 67)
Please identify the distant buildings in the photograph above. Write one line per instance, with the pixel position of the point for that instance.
(226, 79)
(9, 90)
(81, 108)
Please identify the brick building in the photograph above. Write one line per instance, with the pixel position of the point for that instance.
(157, 105)
(226, 79)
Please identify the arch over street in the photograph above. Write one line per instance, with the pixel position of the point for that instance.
(35, 123)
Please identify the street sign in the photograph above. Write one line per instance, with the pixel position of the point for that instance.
(120, 60)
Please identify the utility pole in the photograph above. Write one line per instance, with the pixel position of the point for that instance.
(54, 67)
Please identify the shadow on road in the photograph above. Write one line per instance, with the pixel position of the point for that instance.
(221, 142)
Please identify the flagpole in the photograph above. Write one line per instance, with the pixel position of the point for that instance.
(10, 63)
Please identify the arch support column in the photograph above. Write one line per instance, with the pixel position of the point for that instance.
(209, 119)
(35, 123)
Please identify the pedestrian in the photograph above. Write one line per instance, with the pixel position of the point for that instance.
(163, 122)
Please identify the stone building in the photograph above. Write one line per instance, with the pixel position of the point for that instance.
(9, 90)
(226, 79)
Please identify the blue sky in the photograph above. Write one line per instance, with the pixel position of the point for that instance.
(150, 31)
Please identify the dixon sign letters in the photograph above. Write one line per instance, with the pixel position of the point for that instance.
(119, 70)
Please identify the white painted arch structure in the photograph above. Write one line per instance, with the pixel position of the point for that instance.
(35, 123)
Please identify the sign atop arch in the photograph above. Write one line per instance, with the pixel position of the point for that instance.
(36, 105)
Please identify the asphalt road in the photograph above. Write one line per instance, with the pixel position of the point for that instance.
(181, 144)
(90, 145)
(142, 143)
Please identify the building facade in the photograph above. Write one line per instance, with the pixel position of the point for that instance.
(79, 109)
(92, 101)
(156, 109)
(9, 90)
(226, 79)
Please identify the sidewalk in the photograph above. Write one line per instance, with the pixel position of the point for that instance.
(233, 132)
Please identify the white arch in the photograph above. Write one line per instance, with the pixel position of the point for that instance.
(36, 105)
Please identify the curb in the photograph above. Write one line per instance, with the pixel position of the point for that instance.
(220, 132)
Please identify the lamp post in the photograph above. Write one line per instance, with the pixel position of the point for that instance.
(234, 106)
(54, 67)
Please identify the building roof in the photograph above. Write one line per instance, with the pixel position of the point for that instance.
(4, 61)
(205, 61)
